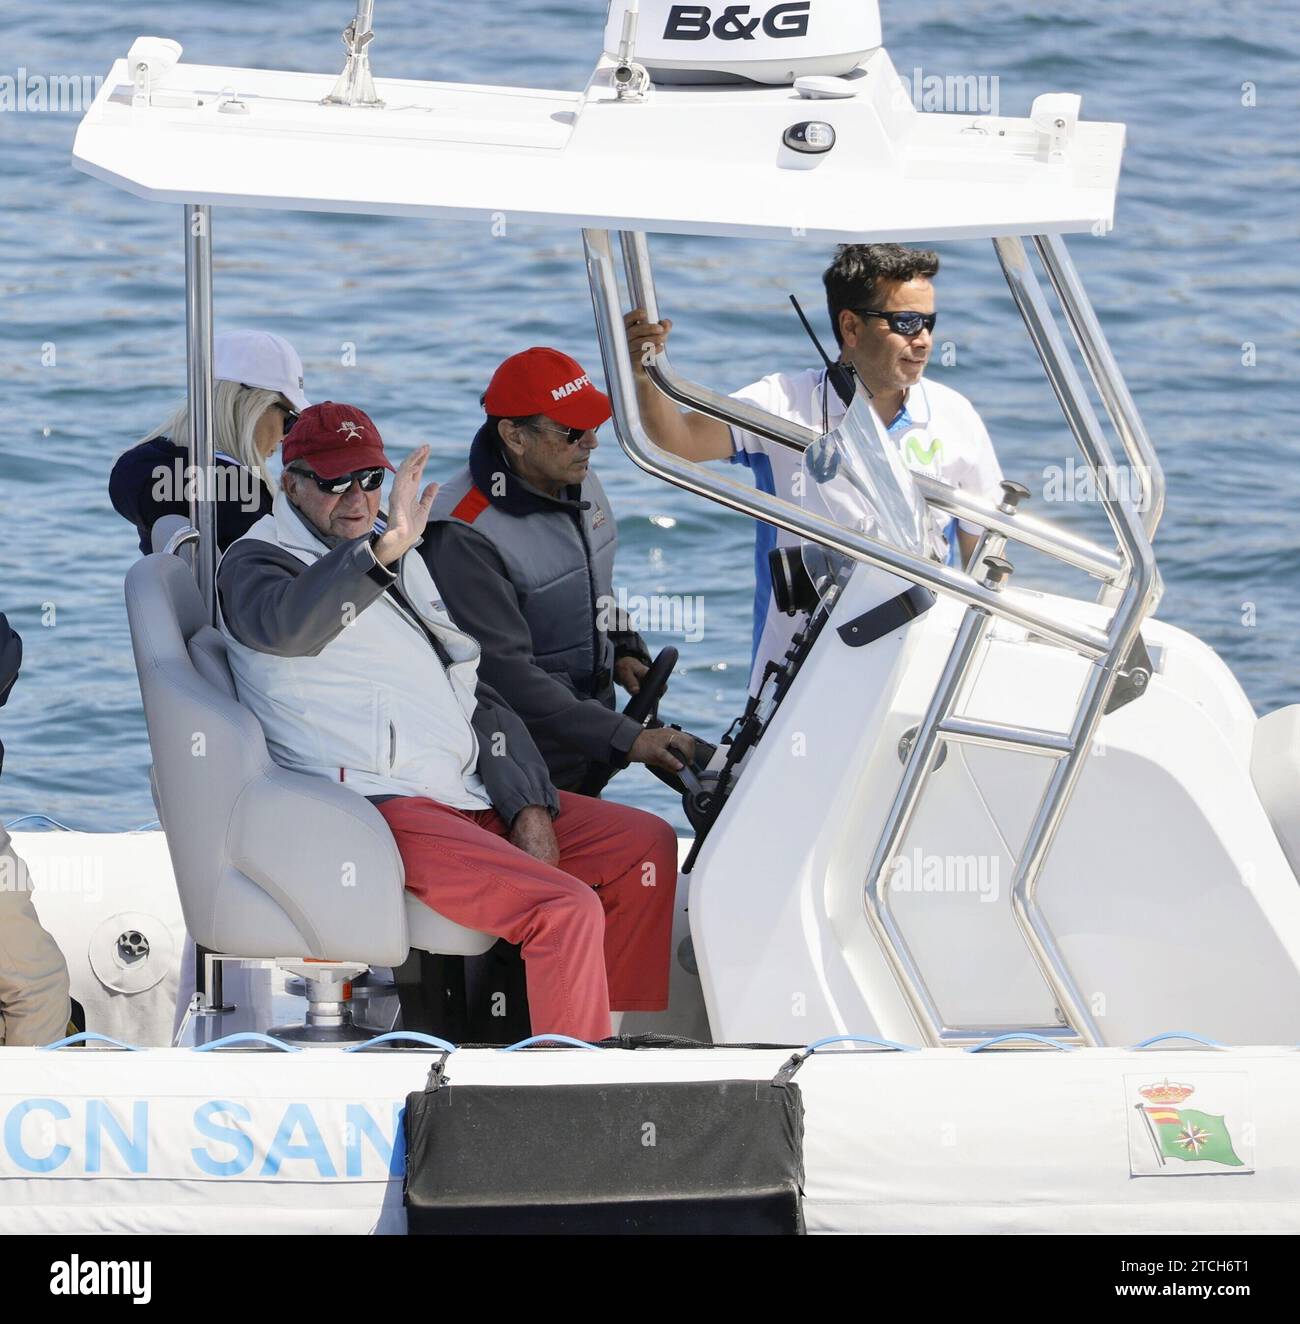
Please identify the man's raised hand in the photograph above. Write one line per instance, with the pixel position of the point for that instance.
(408, 509)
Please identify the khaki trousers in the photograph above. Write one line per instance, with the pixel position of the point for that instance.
(33, 974)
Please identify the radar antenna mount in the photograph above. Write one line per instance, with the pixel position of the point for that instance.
(355, 86)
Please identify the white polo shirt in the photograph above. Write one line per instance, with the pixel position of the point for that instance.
(937, 432)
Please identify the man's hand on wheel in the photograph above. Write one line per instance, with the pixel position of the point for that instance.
(663, 747)
(629, 672)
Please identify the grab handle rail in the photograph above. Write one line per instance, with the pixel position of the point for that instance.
(1132, 573)
(1084, 639)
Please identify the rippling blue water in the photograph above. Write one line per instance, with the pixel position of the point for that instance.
(1203, 259)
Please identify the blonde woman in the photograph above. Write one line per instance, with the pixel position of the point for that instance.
(257, 396)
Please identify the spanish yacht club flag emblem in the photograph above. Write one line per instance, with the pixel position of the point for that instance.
(1173, 1139)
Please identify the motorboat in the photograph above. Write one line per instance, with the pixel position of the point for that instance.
(1013, 873)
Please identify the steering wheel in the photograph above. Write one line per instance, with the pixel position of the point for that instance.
(644, 704)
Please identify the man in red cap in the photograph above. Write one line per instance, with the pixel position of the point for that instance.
(522, 544)
(339, 643)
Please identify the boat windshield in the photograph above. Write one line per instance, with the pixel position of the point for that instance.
(855, 476)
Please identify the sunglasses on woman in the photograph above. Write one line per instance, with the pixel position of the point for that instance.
(902, 324)
(369, 479)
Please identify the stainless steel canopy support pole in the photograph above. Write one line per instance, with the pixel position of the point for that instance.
(1135, 549)
(198, 347)
(1106, 375)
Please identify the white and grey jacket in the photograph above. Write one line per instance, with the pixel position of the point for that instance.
(351, 683)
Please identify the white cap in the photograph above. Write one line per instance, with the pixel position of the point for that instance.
(259, 358)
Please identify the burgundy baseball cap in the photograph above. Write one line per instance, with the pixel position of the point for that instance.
(335, 440)
(544, 381)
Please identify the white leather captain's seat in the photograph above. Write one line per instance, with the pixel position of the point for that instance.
(269, 863)
(1275, 770)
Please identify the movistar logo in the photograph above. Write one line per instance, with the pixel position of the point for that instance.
(696, 22)
(930, 455)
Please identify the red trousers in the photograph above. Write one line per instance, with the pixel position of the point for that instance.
(595, 931)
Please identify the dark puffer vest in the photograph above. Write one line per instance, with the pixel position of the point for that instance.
(558, 555)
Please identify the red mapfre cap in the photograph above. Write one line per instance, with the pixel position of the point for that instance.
(544, 381)
(335, 440)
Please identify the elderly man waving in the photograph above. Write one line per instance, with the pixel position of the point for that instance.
(339, 644)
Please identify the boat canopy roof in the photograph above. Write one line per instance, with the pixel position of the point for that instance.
(688, 159)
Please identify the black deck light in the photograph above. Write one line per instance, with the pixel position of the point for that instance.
(810, 136)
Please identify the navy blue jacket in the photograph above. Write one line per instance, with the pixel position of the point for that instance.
(135, 476)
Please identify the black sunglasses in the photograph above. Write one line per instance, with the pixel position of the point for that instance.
(902, 324)
(572, 435)
(370, 480)
(291, 416)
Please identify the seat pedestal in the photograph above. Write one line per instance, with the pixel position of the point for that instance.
(328, 985)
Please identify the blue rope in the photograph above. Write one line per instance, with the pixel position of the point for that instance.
(84, 1038)
(565, 1039)
(1020, 1038)
(413, 1036)
(248, 1037)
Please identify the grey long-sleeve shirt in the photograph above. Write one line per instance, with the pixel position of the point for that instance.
(275, 603)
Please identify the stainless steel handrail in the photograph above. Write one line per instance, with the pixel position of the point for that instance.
(181, 538)
(1083, 553)
(1132, 573)
(1135, 548)
(747, 500)
(198, 341)
(1106, 375)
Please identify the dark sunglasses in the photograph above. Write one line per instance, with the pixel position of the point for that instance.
(902, 324)
(291, 416)
(369, 479)
(572, 435)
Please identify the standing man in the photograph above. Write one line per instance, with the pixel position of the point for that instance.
(33, 974)
(339, 645)
(521, 543)
(881, 302)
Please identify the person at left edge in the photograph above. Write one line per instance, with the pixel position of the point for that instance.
(521, 542)
(257, 396)
(33, 974)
